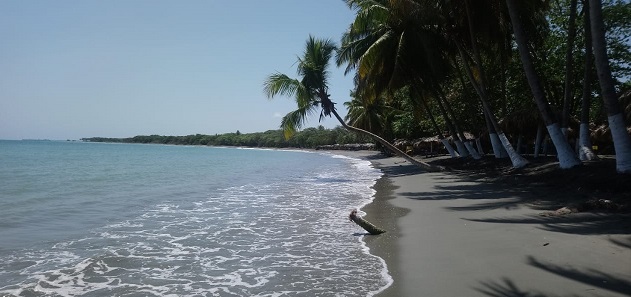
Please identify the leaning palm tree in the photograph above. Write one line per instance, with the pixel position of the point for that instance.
(369, 115)
(585, 152)
(468, 27)
(565, 153)
(615, 115)
(311, 93)
(389, 48)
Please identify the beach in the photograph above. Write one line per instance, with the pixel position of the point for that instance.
(448, 236)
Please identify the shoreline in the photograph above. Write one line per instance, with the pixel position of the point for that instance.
(448, 236)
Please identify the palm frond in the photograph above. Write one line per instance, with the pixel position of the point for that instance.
(294, 120)
(281, 84)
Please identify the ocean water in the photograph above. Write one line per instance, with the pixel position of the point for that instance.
(96, 219)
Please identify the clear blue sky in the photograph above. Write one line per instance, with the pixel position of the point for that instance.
(83, 68)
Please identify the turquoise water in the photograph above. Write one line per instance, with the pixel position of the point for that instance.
(95, 219)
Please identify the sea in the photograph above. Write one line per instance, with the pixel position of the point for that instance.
(103, 219)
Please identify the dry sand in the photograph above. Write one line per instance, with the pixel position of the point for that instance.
(451, 237)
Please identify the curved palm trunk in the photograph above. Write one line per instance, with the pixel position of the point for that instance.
(454, 133)
(585, 152)
(387, 144)
(444, 141)
(463, 138)
(366, 225)
(478, 144)
(538, 140)
(496, 145)
(565, 153)
(621, 139)
(517, 160)
(569, 64)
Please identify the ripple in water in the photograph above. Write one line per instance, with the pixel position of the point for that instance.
(287, 238)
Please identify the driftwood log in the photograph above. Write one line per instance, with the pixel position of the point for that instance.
(372, 229)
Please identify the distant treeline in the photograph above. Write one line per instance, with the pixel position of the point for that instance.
(307, 138)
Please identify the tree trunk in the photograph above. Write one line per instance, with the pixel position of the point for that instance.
(585, 152)
(538, 140)
(565, 153)
(569, 65)
(478, 144)
(517, 160)
(387, 144)
(450, 125)
(444, 141)
(496, 144)
(470, 150)
(479, 152)
(366, 225)
(520, 143)
(621, 139)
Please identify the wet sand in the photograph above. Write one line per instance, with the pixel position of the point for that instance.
(452, 237)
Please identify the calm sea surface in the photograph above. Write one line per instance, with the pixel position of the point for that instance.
(95, 219)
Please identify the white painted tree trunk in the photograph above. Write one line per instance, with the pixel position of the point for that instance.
(449, 148)
(478, 144)
(538, 140)
(585, 152)
(498, 149)
(517, 160)
(462, 150)
(621, 143)
(472, 150)
(520, 142)
(565, 154)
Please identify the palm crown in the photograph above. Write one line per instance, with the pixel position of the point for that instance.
(311, 91)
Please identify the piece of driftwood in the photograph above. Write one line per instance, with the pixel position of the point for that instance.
(372, 229)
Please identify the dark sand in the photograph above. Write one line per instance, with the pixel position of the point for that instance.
(450, 236)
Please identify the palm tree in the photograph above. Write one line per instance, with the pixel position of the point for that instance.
(621, 139)
(569, 58)
(565, 154)
(585, 151)
(311, 93)
(461, 24)
(369, 115)
(390, 48)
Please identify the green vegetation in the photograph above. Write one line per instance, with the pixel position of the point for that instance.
(308, 138)
(311, 92)
(476, 75)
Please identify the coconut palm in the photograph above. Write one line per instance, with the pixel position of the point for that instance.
(389, 47)
(621, 139)
(464, 25)
(311, 93)
(565, 154)
(569, 58)
(369, 115)
(585, 151)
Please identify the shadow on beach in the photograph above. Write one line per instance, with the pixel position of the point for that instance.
(587, 276)
(579, 224)
(485, 206)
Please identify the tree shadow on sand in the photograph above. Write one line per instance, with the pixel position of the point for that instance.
(451, 187)
(401, 169)
(580, 224)
(506, 288)
(590, 277)
(623, 243)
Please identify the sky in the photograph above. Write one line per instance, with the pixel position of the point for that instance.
(85, 68)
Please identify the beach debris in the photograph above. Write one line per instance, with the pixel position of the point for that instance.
(372, 229)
